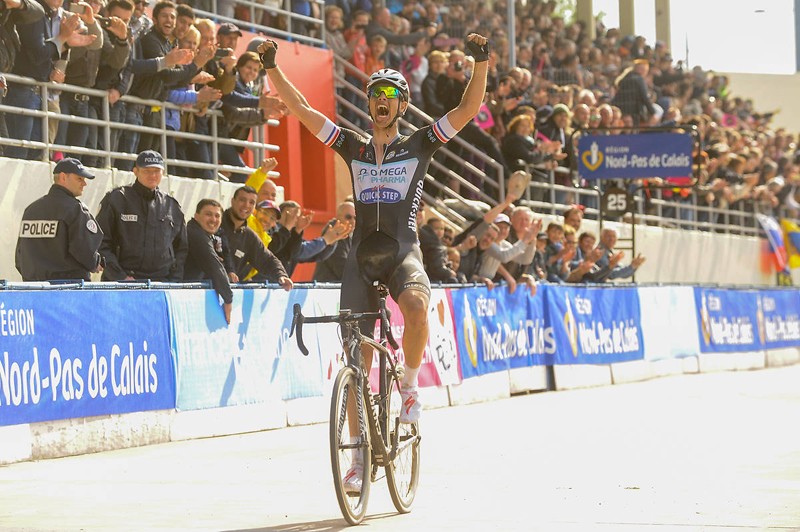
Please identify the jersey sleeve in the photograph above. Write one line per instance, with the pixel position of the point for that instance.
(343, 141)
(437, 134)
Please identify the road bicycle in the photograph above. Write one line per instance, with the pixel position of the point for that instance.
(381, 440)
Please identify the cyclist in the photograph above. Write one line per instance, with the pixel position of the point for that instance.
(387, 173)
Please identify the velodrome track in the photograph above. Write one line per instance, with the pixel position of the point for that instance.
(717, 451)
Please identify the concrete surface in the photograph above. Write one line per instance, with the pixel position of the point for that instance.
(691, 452)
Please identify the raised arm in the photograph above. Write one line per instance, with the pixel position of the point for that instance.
(293, 98)
(471, 102)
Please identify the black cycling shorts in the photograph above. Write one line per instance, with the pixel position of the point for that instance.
(379, 257)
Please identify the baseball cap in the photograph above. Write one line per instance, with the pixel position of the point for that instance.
(150, 159)
(72, 166)
(560, 108)
(228, 28)
(268, 204)
(502, 219)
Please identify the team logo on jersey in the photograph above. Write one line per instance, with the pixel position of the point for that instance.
(91, 225)
(388, 183)
(129, 217)
(402, 152)
(38, 229)
(389, 155)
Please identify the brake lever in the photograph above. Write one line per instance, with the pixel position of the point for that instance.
(297, 325)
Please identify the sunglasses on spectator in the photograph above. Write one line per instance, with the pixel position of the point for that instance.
(388, 91)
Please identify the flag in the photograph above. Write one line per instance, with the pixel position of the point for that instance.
(774, 252)
(791, 232)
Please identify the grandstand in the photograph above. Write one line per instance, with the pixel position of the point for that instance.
(462, 174)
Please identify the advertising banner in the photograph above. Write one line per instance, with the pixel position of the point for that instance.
(669, 320)
(312, 375)
(225, 365)
(441, 339)
(728, 320)
(428, 371)
(491, 329)
(595, 325)
(635, 156)
(778, 318)
(77, 354)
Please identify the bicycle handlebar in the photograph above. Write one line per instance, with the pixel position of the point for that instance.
(344, 317)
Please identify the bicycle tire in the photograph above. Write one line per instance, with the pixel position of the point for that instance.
(402, 473)
(353, 506)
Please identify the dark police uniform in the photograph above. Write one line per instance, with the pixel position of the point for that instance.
(145, 234)
(58, 239)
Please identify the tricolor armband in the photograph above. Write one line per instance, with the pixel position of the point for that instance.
(328, 133)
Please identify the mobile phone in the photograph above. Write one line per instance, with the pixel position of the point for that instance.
(221, 52)
(76, 8)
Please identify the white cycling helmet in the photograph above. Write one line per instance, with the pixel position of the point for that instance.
(392, 77)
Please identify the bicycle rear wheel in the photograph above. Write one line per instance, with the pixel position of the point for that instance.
(402, 473)
(345, 451)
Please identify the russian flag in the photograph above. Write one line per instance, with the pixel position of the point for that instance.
(774, 252)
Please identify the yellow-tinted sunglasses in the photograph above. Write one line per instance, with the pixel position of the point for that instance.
(387, 90)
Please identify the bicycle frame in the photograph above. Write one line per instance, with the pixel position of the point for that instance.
(353, 340)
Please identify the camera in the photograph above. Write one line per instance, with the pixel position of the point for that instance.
(222, 52)
(75, 8)
(459, 66)
(105, 22)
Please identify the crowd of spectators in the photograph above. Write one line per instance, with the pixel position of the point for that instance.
(562, 81)
(169, 55)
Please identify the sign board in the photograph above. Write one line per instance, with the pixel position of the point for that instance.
(615, 202)
(635, 156)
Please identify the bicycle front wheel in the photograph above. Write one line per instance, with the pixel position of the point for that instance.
(347, 451)
(402, 472)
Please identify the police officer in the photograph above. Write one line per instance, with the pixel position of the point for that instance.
(144, 231)
(59, 238)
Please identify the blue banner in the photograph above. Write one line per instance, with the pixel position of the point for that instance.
(778, 318)
(595, 325)
(728, 320)
(635, 156)
(77, 354)
(479, 315)
(252, 360)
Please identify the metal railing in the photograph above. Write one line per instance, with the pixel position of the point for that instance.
(544, 195)
(104, 127)
(257, 12)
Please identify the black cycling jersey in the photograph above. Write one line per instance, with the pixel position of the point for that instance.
(387, 193)
(387, 196)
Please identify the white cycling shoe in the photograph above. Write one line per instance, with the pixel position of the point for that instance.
(410, 408)
(352, 481)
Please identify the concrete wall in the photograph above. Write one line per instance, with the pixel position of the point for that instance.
(673, 256)
(22, 182)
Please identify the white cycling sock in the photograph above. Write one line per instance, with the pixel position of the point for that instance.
(410, 377)
(357, 456)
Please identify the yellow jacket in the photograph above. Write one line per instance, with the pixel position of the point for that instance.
(255, 180)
